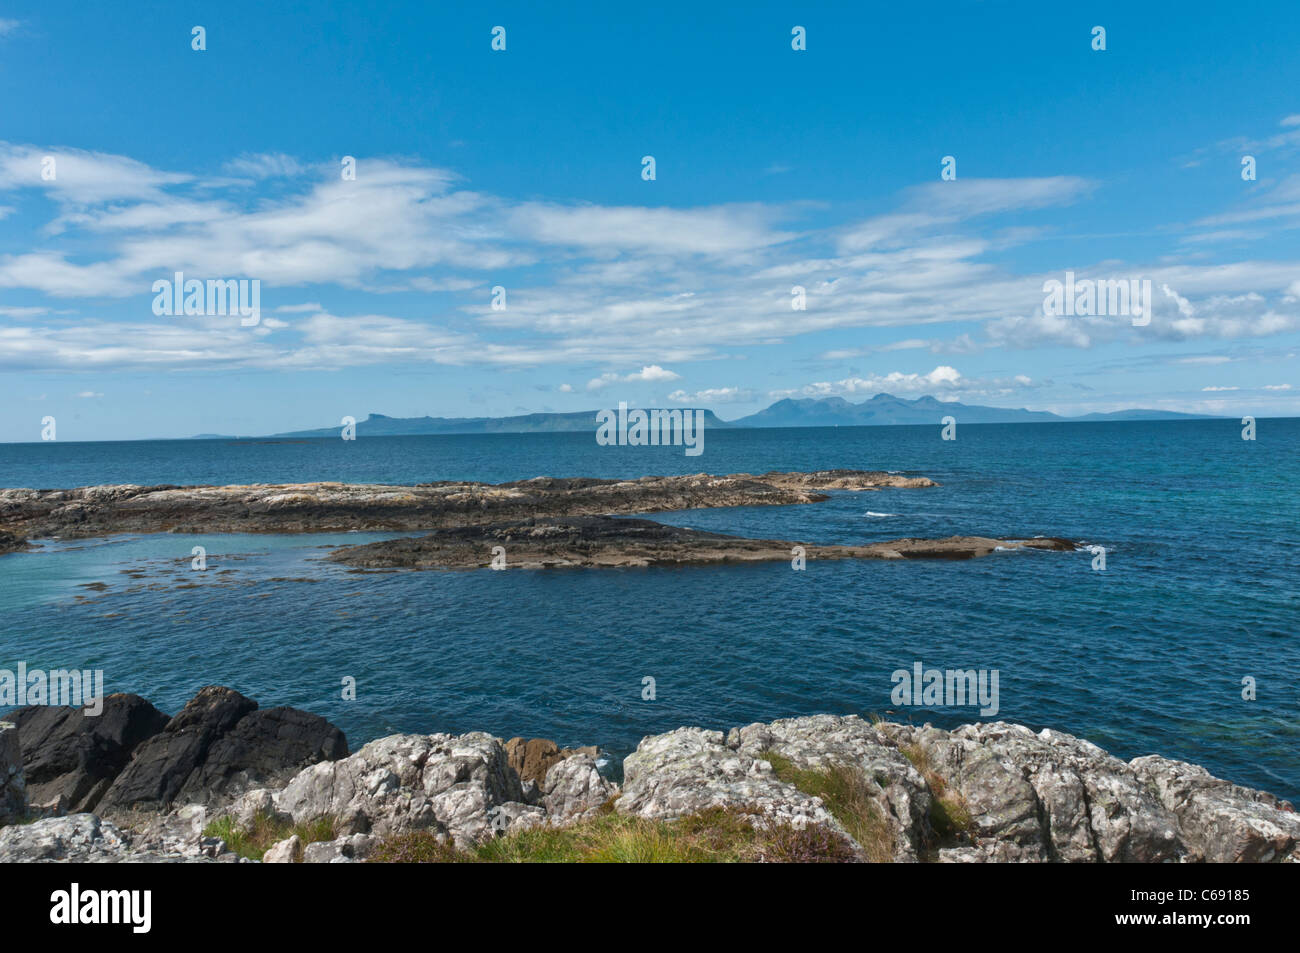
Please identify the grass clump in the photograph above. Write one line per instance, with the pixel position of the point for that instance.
(848, 795)
(950, 818)
(716, 835)
(255, 839)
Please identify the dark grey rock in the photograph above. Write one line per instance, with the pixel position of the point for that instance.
(72, 758)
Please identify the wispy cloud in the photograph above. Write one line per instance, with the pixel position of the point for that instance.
(598, 285)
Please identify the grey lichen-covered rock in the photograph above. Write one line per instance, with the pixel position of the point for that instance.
(287, 851)
(77, 837)
(442, 782)
(249, 806)
(1093, 805)
(990, 851)
(1002, 804)
(574, 788)
(13, 786)
(1221, 821)
(343, 850)
(819, 741)
(690, 770)
(179, 832)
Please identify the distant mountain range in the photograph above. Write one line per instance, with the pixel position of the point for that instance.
(881, 410)
(885, 409)
(379, 425)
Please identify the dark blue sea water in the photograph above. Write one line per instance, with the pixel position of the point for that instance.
(1148, 656)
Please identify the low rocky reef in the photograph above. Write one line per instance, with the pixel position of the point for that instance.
(605, 541)
(339, 507)
(816, 788)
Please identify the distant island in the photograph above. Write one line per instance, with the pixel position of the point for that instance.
(881, 410)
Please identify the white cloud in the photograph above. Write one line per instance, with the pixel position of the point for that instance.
(712, 395)
(704, 231)
(1184, 306)
(265, 165)
(81, 176)
(651, 373)
(943, 382)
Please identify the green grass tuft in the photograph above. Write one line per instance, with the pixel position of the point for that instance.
(949, 816)
(716, 835)
(848, 795)
(254, 840)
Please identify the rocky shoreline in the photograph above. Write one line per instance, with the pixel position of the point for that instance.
(225, 780)
(342, 507)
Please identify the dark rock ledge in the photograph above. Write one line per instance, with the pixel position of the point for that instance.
(1020, 796)
(606, 541)
(11, 543)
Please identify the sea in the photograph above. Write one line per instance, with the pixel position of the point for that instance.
(1185, 645)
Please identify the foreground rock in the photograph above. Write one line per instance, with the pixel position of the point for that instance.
(604, 541)
(218, 746)
(334, 507)
(133, 758)
(13, 787)
(1049, 796)
(1222, 822)
(87, 839)
(71, 758)
(990, 792)
(460, 787)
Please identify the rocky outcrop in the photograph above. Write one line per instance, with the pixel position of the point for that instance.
(82, 838)
(334, 507)
(133, 758)
(604, 541)
(459, 786)
(13, 787)
(265, 747)
(71, 758)
(989, 792)
(88, 839)
(899, 793)
(691, 770)
(1055, 796)
(1221, 822)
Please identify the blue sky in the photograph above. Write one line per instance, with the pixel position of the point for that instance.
(522, 169)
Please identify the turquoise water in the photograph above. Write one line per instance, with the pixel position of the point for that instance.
(1145, 657)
